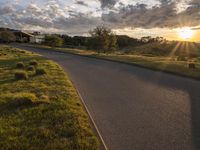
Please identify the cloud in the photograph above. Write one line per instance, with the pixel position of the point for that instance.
(108, 3)
(163, 16)
(6, 10)
(196, 28)
(67, 18)
(81, 3)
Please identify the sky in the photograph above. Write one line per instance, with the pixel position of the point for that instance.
(136, 18)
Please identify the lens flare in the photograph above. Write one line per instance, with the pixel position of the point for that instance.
(186, 33)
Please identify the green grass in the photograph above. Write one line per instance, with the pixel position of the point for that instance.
(42, 112)
(146, 59)
(159, 63)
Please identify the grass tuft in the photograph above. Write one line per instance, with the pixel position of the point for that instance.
(33, 63)
(31, 68)
(24, 98)
(20, 65)
(40, 71)
(21, 75)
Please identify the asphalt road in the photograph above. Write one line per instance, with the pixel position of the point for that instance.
(136, 108)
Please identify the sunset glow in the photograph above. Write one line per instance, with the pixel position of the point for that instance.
(186, 33)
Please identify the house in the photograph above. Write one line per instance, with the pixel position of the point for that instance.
(25, 37)
(22, 36)
(37, 38)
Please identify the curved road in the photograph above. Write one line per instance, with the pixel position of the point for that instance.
(136, 108)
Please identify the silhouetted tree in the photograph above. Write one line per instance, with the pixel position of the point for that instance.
(102, 39)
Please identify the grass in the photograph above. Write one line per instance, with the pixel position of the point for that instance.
(40, 71)
(172, 64)
(21, 75)
(42, 112)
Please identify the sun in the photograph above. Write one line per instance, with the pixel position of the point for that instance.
(186, 33)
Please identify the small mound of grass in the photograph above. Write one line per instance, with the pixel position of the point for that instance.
(24, 98)
(40, 71)
(31, 68)
(33, 63)
(20, 65)
(21, 75)
(43, 99)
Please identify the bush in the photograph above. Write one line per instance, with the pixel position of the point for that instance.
(33, 63)
(40, 71)
(191, 66)
(31, 68)
(20, 65)
(21, 75)
(53, 40)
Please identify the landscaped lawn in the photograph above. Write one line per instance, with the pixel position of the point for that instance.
(39, 107)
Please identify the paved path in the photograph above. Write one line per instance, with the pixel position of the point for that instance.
(136, 108)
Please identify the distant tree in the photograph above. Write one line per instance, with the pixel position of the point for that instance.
(53, 40)
(149, 39)
(146, 39)
(112, 42)
(124, 41)
(7, 36)
(102, 39)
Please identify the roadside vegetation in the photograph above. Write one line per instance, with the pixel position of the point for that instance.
(182, 58)
(39, 107)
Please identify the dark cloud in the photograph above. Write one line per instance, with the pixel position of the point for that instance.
(108, 3)
(161, 16)
(5, 10)
(81, 3)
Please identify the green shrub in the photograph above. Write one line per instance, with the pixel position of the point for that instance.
(20, 65)
(21, 75)
(31, 68)
(40, 71)
(53, 40)
(33, 63)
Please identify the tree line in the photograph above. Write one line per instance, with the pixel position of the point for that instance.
(101, 39)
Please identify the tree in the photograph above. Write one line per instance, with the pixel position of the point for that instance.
(53, 40)
(102, 39)
(7, 36)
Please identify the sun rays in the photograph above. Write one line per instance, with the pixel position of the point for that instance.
(186, 33)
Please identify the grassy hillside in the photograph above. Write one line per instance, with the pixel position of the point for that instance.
(39, 107)
(184, 49)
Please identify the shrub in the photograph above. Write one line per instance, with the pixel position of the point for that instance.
(191, 66)
(20, 65)
(21, 75)
(40, 71)
(53, 40)
(33, 63)
(31, 68)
